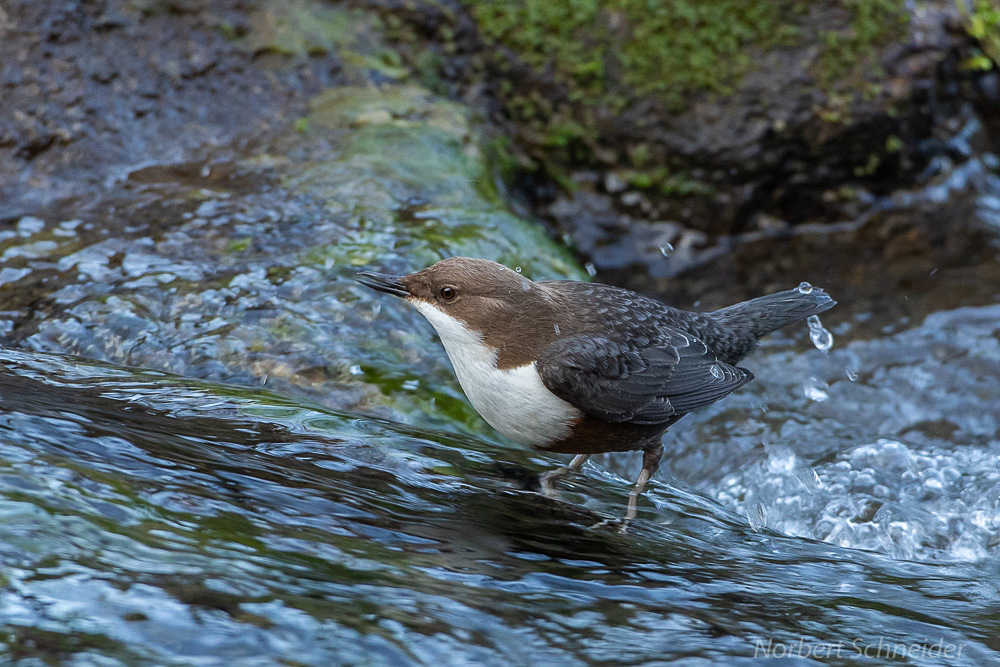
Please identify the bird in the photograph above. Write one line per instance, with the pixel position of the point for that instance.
(583, 368)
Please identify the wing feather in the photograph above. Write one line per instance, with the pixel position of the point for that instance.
(622, 381)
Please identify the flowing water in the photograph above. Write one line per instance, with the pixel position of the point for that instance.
(299, 480)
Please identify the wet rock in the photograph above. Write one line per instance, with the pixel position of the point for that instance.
(760, 102)
(78, 86)
(242, 269)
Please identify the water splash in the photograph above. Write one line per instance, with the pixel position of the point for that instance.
(815, 390)
(820, 335)
(912, 502)
(757, 517)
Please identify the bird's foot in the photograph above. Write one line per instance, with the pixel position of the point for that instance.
(549, 479)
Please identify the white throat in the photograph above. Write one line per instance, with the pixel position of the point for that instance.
(513, 401)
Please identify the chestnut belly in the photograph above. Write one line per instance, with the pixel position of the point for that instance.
(589, 435)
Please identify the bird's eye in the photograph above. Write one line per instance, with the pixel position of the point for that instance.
(448, 293)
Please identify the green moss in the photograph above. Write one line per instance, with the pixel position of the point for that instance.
(499, 152)
(298, 28)
(301, 28)
(238, 245)
(666, 183)
(606, 50)
(401, 144)
(983, 24)
(607, 56)
(870, 167)
(850, 54)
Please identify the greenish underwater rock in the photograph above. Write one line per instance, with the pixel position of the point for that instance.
(241, 268)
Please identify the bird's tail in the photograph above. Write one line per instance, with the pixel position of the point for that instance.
(769, 313)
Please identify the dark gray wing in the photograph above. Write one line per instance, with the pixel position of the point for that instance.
(649, 384)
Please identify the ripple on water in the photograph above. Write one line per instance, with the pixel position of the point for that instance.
(185, 521)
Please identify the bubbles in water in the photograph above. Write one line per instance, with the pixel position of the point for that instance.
(517, 268)
(805, 288)
(815, 390)
(879, 497)
(591, 269)
(821, 337)
(666, 249)
(555, 328)
(355, 370)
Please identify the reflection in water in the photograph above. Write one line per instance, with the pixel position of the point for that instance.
(148, 518)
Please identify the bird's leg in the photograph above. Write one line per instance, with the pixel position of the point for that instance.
(650, 462)
(549, 479)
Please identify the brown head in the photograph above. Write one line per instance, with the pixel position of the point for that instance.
(490, 299)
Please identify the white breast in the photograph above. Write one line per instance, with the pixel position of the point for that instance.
(513, 401)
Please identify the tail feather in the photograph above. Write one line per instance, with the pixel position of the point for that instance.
(758, 317)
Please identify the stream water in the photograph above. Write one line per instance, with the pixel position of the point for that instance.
(298, 479)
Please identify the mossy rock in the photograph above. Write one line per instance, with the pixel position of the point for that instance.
(243, 268)
(702, 102)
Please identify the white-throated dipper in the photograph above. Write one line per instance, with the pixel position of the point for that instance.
(583, 368)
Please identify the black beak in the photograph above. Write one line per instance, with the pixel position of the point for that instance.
(383, 282)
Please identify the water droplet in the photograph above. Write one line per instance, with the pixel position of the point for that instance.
(517, 268)
(852, 372)
(820, 336)
(591, 269)
(805, 288)
(556, 329)
(355, 370)
(815, 390)
(666, 249)
(411, 385)
(717, 372)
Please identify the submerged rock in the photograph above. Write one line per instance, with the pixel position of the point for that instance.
(242, 269)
